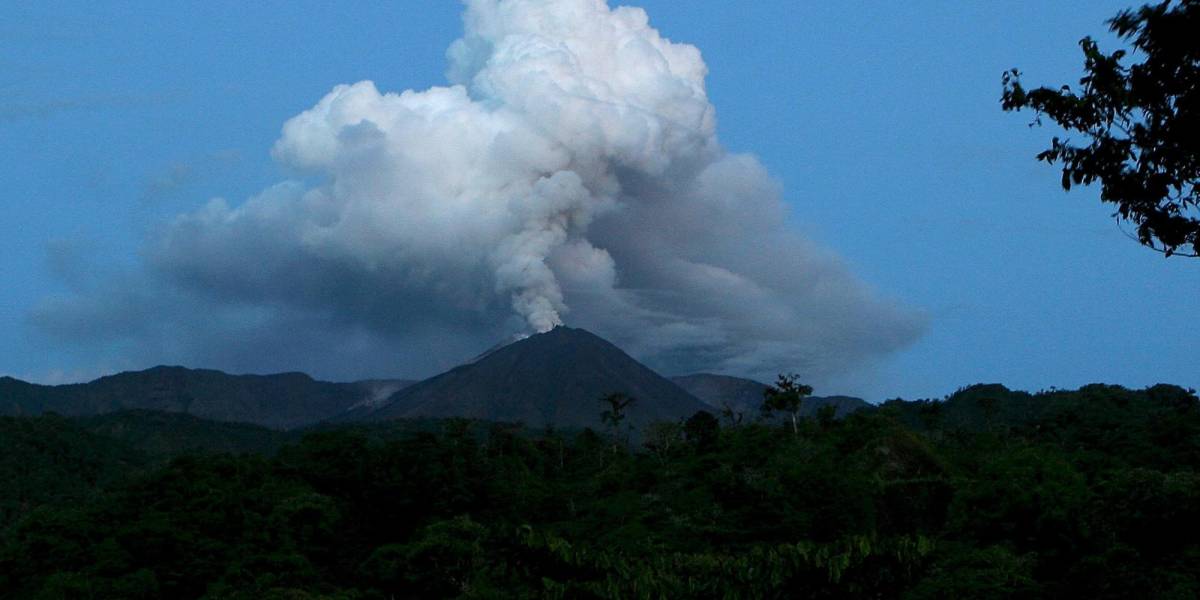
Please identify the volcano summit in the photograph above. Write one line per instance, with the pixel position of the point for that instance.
(552, 378)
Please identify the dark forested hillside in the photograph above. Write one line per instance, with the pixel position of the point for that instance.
(988, 494)
(51, 461)
(162, 435)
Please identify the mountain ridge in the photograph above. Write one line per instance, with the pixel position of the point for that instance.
(281, 400)
(553, 378)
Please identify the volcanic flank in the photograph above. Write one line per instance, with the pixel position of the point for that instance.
(557, 377)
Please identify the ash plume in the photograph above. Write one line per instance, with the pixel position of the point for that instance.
(570, 172)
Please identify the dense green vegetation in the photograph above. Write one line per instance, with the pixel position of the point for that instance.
(990, 493)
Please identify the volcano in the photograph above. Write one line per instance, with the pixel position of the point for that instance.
(552, 378)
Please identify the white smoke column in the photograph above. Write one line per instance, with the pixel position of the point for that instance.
(572, 168)
(555, 207)
(516, 160)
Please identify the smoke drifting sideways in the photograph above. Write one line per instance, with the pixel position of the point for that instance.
(570, 174)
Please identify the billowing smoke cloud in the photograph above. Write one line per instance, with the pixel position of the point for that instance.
(571, 173)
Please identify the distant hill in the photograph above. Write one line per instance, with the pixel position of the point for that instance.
(746, 395)
(282, 401)
(721, 390)
(555, 378)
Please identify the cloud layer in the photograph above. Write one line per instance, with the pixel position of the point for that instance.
(570, 174)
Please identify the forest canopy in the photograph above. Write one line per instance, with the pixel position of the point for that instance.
(989, 493)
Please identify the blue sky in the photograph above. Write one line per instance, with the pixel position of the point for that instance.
(880, 120)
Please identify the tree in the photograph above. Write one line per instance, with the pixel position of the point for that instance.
(661, 437)
(1140, 123)
(702, 430)
(615, 413)
(732, 414)
(787, 395)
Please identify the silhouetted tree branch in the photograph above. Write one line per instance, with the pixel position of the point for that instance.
(1140, 123)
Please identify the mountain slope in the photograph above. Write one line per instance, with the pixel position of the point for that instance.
(746, 395)
(721, 390)
(284, 401)
(557, 377)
